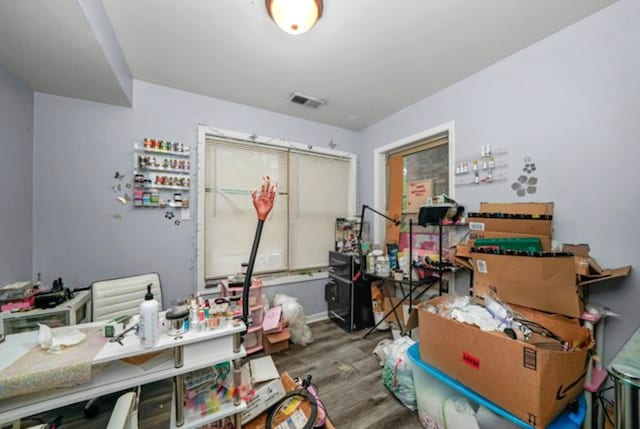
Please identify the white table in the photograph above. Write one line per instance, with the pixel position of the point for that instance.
(192, 351)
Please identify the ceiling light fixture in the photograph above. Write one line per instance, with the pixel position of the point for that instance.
(295, 16)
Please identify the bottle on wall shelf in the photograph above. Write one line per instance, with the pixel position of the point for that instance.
(148, 325)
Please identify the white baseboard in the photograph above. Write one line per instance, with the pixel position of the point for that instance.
(318, 317)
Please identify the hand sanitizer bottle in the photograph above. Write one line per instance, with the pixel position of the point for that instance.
(149, 329)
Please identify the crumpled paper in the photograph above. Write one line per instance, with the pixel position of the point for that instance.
(55, 341)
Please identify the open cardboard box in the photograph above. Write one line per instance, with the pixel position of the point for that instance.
(535, 383)
(289, 385)
(267, 385)
(405, 319)
(544, 283)
(585, 265)
(276, 342)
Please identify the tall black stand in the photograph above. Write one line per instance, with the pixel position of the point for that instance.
(249, 274)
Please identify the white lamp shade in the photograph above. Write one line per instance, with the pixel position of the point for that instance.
(295, 16)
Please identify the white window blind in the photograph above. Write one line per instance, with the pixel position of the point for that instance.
(319, 193)
(232, 171)
(313, 190)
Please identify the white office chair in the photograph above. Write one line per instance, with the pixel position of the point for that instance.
(125, 412)
(119, 297)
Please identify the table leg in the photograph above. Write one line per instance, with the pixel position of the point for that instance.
(178, 356)
(238, 421)
(178, 381)
(237, 342)
(237, 380)
(178, 361)
(393, 310)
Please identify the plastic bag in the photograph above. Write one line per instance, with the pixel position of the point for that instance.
(293, 315)
(381, 350)
(397, 374)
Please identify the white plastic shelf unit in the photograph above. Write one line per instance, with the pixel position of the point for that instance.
(253, 339)
(162, 176)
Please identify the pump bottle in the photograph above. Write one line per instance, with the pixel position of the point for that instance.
(148, 325)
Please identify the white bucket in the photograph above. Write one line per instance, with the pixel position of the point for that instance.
(377, 317)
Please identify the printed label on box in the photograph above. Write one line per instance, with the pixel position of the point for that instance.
(471, 360)
(482, 266)
(476, 226)
(530, 358)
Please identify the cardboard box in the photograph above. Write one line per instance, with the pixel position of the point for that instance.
(585, 264)
(404, 319)
(581, 250)
(544, 283)
(512, 226)
(276, 343)
(267, 385)
(463, 250)
(463, 262)
(518, 208)
(531, 382)
(289, 385)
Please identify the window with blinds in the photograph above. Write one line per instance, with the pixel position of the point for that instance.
(312, 192)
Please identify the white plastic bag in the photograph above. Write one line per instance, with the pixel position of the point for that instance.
(382, 349)
(397, 374)
(293, 315)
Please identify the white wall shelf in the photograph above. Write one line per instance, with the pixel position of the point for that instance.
(186, 154)
(163, 170)
(152, 186)
(162, 181)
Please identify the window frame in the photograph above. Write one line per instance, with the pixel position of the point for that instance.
(206, 131)
(380, 170)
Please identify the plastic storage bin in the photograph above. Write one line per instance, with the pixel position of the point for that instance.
(257, 315)
(446, 403)
(253, 339)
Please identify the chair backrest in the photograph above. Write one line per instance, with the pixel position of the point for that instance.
(118, 297)
(125, 413)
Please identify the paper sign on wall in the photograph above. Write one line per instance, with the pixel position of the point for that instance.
(417, 194)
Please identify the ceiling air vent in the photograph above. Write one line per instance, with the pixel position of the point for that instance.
(305, 100)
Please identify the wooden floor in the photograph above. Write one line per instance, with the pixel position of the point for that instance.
(343, 367)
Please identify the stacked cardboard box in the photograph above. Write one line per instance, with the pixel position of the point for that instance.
(513, 220)
(532, 382)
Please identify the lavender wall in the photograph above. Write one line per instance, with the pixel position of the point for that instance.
(16, 162)
(571, 102)
(81, 232)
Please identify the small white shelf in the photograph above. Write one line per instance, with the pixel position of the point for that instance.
(163, 170)
(471, 157)
(163, 152)
(179, 188)
(486, 182)
(155, 206)
(226, 410)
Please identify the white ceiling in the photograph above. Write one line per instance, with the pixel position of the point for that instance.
(50, 46)
(367, 58)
